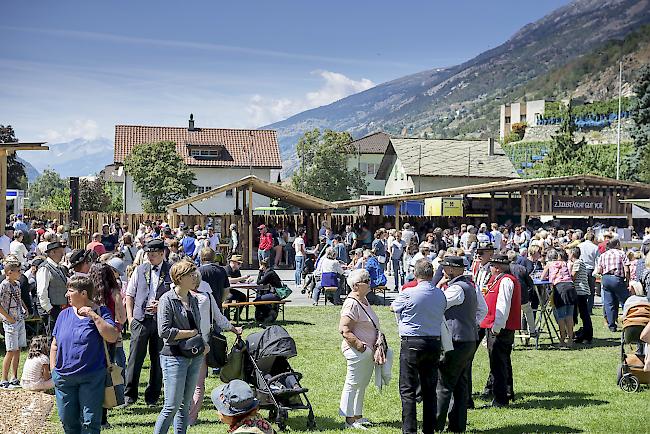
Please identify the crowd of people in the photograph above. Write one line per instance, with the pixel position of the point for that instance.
(167, 286)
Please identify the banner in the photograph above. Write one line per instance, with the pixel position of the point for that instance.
(578, 204)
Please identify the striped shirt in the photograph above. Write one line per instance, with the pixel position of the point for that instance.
(581, 278)
(611, 262)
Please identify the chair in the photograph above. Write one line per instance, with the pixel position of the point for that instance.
(329, 290)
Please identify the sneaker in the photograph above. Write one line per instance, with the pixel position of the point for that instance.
(4, 384)
(14, 384)
(364, 421)
(355, 425)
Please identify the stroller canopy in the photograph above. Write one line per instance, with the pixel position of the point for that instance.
(272, 342)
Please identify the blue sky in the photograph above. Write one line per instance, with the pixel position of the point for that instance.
(74, 69)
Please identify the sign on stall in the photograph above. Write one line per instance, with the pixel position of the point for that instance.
(578, 204)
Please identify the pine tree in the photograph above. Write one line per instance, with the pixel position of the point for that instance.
(638, 162)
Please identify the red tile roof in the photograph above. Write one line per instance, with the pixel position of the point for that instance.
(238, 144)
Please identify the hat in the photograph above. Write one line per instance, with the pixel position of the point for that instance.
(260, 227)
(234, 398)
(236, 258)
(484, 246)
(78, 256)
(407, 226)
(54, 245)
(453, 261)
(500, 259)
(156, 245)
(36, 262)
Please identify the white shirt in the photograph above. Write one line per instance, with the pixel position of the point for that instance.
(504, 300)
(43, 284)
(214, 242)
(298, 246)
(498, 238)
(153, 284)
(206, 301)
(19, 250)
(235, 239)
(456, 296)
(5, 245)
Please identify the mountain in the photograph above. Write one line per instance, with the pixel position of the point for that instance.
(30, 170)
(79, 157)
(463, 100)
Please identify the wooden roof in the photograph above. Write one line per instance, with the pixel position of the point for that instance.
(636, 188)
(265, 188)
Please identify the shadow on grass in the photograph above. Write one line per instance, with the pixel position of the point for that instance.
(299, 422)
(531, 427)
(547, 346)
(555, 400)
(251, 323)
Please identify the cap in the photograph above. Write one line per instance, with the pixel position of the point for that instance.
(453, 261)
(484, 246)
(500, 259)
(52, 246)
(78, 256)
(260, 227)
(236, 258)
(234, 398)
(156, 245)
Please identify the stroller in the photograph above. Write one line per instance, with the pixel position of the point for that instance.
(631, 373)
(276, 384)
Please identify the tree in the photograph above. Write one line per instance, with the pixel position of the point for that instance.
(16, 176)
(323, 172)
(160, 175)
(49, 191)
(93, 195)
(638, 162)
(565, 152)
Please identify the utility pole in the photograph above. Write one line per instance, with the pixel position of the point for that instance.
(420, 170)
(618, 132)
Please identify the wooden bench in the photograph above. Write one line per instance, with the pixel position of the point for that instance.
(280, 303)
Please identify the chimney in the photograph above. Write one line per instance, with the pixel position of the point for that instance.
(490, 147)
(191, 123)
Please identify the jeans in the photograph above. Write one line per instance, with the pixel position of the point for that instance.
(614, 292)
(79, 400)
(180, 375)
(264, 254)
(397, 272)
(199, 392)
(418, 364)
(298, 273)
(359, 373)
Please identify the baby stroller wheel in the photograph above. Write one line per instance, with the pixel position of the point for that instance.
(281, 419)
(311, 421)
(629, 383)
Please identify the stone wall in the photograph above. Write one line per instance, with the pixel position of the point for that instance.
(594, 136)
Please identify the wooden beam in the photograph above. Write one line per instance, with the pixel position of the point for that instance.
(245, 229)
(523, 207)
(397, 209)
(3, 188)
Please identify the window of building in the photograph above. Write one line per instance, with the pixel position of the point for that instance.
(371, 168)
(200, 189)
(522, 118)
(507, 119)
(229, 193)
(214, 153)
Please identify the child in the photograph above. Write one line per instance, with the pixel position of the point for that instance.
(238, 408)
(12, 310)
(36, 371)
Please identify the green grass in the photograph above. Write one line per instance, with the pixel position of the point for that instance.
(558, 390)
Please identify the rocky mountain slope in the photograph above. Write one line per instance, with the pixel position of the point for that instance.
(463, 100)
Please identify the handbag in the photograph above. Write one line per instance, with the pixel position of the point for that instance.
(234, 367)
(283, 292)
(381, 345)
(217, 356)
(112, 398)
(192, 347)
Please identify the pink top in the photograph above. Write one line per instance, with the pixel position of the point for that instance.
(33, 370)
(558, 271)
(362, 326)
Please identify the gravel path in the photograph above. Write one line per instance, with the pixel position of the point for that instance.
(25, 412)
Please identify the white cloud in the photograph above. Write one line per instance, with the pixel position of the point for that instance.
(86, 129)
(335, 87)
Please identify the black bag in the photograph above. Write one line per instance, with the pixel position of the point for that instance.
(192, 347)
(217, 356)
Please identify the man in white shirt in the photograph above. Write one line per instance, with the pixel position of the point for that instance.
(213, 239)
(5, 241)
(51, 286)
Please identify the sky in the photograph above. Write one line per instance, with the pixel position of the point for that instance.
(74, 69)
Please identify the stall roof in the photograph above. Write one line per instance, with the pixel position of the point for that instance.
(265, 188)
(503, 186)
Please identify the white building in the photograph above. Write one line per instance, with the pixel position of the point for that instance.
(368, 153)
(415, 165)
(529, 112)
(216, 156)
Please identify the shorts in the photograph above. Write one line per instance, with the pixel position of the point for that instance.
(15, 335)
(563, 312)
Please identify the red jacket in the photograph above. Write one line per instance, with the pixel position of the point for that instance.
(514, 317)
(266, 241)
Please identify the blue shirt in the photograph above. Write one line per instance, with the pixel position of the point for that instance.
(188, 245)
(377, 276)
(80, 347)
(420, 310)
(20, 225)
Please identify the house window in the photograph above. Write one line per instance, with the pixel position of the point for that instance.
(201, 189)
(507, 119)
(205, 154)
(229, 193)
(395, 173)
(371, 169)
(522, 118)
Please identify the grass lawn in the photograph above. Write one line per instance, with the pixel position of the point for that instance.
(558, 390)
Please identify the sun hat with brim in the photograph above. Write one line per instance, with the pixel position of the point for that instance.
(234, 399)
(500, 260)
(78, 256)
(54, 245)
(453, 261)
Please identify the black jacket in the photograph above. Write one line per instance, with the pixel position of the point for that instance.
(269, 277)
(526, 282)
